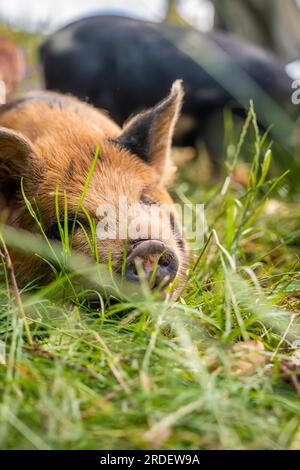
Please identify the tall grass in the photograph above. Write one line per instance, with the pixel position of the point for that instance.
(217, 368)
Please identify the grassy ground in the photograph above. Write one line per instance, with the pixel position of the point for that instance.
(216, 369)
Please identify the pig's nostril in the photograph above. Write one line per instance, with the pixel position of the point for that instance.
(164, 261)
(131, 273)
(160, 263)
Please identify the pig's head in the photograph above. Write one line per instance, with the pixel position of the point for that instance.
(126, 196)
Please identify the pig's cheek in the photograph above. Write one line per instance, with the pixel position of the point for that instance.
(109, 249)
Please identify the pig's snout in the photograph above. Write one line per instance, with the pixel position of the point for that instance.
(159, 263)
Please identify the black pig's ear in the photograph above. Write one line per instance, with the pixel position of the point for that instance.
(149, 134)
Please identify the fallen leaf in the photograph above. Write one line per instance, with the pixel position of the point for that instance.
(248, 356)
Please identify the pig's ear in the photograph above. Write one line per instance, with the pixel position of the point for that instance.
(15, 154)
(15, 150)
(149, 134)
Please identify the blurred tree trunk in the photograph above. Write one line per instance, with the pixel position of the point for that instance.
(173, 15)
(272, 24)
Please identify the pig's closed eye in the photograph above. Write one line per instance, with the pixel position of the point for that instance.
(145, 199)
(177, 231)
(53, 233)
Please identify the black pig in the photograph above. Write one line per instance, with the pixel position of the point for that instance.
(125, 65)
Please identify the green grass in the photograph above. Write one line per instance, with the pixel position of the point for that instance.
(142, 373)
